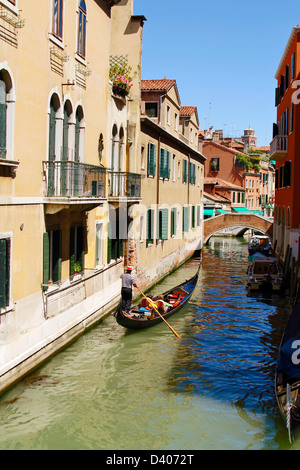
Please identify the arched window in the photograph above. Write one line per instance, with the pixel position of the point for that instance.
(78, 151)
(7, 104)
(66, 130)
(3, 118)
(57, 22)
(81, 42)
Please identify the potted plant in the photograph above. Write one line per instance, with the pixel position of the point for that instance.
(121, 86)
(77, 268)
(120, 75)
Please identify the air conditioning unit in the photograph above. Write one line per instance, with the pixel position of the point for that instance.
(98, 188)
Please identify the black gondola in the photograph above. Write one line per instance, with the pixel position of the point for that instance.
(287, 375)
(137, 320)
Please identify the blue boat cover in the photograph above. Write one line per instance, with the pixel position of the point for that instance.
(289, 354)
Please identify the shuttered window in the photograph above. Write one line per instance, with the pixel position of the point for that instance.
(51, 256)
(198, 216)
(185, 219)
(150, 227)
(151, 159)
(193, 216)
(164, 164)
(163, 215)
(5, 245)
(192, 177)
(184, 171)
(173, 222)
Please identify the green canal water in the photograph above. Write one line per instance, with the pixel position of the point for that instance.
(115, 389)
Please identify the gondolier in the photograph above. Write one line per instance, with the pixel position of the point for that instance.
(128, 282)
(176, 298)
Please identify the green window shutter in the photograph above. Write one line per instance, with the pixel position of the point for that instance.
(184, 170)
(46, 254)
(163, 215)
(173, 222)
(150, 226)
(194, 174)
(56, 256)
(167, 165)
(4, 271)
(193, 216)
(185, 219)
(151, 159)
(162, 163)
(198, 216)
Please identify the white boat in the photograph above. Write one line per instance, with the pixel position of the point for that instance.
(265, 273)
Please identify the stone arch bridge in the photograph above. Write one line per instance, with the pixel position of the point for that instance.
(242, 221)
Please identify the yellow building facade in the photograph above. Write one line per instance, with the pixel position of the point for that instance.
(59, 187)
(90, 180)
(170, 218)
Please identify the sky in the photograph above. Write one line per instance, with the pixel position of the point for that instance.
(223, 55)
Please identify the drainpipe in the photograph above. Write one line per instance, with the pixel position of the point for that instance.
(188, 181)
(157, 176)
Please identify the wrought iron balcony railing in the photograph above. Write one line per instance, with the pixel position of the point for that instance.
(122, 184)
(74, 179)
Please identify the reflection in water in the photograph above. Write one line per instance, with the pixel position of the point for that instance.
(118, 389)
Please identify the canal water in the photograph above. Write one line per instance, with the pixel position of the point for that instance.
(114, 389)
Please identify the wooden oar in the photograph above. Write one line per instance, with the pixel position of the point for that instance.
(154, 307)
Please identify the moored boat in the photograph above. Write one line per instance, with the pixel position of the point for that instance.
(265, 273)
(287, 375)
(260, 244)
(175, 299)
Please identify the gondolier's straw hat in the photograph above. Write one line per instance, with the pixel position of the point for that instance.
(129, 268)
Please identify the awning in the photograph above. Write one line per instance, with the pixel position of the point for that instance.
(240, 209)
(222, 211)
(258, 212)
(208, 211)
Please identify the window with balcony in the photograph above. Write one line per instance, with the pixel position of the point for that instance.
(81, 40)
